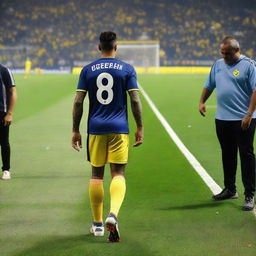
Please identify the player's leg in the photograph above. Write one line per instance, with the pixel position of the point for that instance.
(117, 187)
(27, 71)
(117, 194)
(118, 157)
(96, 194)
(5, 150)
(247, 157)
(97, 154)
(227, 138)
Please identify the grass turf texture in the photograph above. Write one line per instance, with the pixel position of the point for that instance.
(167, 210)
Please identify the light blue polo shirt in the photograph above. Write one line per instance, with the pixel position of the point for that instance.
(234, 86)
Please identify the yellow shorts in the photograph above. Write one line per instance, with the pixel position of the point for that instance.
(107, 148)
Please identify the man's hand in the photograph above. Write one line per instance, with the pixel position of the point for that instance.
(77, 141)
(202, 109)
(246, 122)
(139, 136)
(206, 93)
(7, 119)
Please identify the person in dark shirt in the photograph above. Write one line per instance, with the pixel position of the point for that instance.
(8, 98)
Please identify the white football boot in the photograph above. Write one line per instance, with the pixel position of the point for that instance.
(97, 230)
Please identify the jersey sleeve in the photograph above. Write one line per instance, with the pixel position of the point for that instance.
(7, 78)
(210, 82)
(132, 84)
(82, 85)
(252, 76)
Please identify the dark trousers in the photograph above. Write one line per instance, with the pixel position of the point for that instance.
(4, 143)
(232, 138)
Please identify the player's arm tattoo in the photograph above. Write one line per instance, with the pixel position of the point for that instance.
(136, 107)
(78, 110)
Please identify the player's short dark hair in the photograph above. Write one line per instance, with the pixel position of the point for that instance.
(232, 41)
(107, 40)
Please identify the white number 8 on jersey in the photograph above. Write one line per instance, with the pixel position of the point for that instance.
(107, 88)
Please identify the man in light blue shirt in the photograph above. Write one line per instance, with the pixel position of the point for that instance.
(234, 77)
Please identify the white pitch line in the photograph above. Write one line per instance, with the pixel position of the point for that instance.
(214, 187)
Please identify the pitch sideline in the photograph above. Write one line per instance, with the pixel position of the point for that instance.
(214, 187)
(208, 180)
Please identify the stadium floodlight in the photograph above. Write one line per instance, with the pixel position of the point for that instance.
(143, 55)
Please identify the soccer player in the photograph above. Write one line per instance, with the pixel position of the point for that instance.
(234, 77)
(28, 65)
(7, 103)
(107, 81)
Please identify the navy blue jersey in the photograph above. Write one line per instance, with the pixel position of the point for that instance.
(107, 81)
(6, 82)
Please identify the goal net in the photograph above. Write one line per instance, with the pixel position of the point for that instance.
(143, 55)
(13, 56)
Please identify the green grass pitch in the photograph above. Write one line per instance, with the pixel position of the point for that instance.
(44, 209)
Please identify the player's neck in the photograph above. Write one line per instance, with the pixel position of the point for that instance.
(108, 54)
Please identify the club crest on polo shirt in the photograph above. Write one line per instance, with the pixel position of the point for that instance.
(236, 72)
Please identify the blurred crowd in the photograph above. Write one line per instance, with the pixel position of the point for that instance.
(56, 33)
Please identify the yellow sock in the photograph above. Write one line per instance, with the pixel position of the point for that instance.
(96, 193)
(117, 193)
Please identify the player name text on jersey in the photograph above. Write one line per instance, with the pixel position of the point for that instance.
(106, 65)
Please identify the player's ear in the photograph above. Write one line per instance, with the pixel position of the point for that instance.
(99, 47)
(115, 47)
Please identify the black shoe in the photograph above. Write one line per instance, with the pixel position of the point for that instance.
(248, 203)
(112, 227)
(225, 194)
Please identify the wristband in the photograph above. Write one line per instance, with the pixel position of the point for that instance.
(248, 114)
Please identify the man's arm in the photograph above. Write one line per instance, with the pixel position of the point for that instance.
(248, 117)
(77, 116)
(137, 114)
(204, 96)
(252, 83)
(12, 102)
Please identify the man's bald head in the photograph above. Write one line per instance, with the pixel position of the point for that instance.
(229, 40)
(230, 49)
